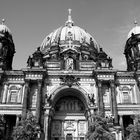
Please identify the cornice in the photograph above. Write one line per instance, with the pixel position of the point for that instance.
(34, 73)
(14, 73)
(105, 71)
(124, 74)
(62, 72)
(26, 70)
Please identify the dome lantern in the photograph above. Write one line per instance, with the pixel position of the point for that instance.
(69, 22)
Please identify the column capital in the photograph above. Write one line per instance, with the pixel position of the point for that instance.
(27, 82)
(5, 83)
(99, 83)
(112, 83)
(39, 81)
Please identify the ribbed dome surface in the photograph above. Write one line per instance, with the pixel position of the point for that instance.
(4, 29)
(68, 36)
(135, 30)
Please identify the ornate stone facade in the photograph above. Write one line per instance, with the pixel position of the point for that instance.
(68, 79)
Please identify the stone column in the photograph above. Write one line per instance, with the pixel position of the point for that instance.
(43, 93)
(17, 119)
(121, 124)
(114, 102)
(100, 98)
(38, 103)
(25, 100)
(46, 125)
(4, 93)
(62, 133)
(76, 131)
(111, 104)
(1, 89)
(88, 116)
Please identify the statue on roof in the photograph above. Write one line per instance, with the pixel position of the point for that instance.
(36, 60)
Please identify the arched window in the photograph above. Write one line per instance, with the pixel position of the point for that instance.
(13, 94)
(34, 97)
(126, 98)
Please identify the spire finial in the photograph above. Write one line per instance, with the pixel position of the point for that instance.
(3, 21)
(69, 10)
(135, 22)
(69, 21)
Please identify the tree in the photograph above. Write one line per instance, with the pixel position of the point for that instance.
(99, 129)
(134, 129)
(27, 128)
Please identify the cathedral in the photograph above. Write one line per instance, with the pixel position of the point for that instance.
(68, 78)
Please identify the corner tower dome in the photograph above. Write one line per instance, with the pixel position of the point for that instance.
(4, 28)
(135, 30)
(5, 31)
(68, 37)
(7, 47)
(132, 49)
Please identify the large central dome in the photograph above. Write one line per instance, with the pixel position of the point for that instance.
(69, 37)
(71, 48)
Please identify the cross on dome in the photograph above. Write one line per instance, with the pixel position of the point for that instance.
(69, 22)
(135, 22)
(3, 21)
(69, 16)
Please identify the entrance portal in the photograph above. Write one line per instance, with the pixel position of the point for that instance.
(69, 122)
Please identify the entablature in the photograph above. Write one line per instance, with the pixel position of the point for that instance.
(13, 77)
(105, 75)
(75, 73)
(34, 74)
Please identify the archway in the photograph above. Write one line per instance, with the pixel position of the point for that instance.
(69, 121)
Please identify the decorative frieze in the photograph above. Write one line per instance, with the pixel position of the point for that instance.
(87, 65)
(69, 80)
(33, 76)
(105, 77)
(53, 65)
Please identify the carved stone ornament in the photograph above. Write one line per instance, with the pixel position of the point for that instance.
(48, 98)
(91, 98)
(69, 80)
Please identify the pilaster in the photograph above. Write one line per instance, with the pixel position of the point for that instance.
(17, 119)
(38, 104)
(46, 123)
(100, 97)
(25, 99)
(121, 124)
(4, 93)
(114, 102)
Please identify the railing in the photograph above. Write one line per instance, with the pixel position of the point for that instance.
(68, 138)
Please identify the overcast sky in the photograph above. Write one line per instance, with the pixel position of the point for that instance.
(108, 21)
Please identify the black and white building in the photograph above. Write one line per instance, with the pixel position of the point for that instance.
(67, 79)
